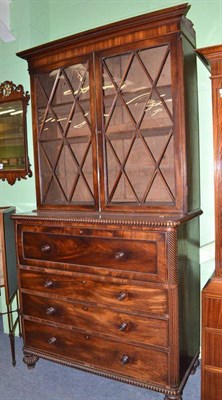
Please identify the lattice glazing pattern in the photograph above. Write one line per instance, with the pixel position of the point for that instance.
(138, 127)
(65, 136)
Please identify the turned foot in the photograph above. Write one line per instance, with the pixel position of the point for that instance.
(196, 364)
(30, 360)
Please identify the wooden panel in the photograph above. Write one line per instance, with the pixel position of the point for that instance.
(213, 341)
(189, 291)
(213, 57)
(212, 389)
(84, 288)
(213, 313)
(104, 321)
(211, 382)
(212, 307)
(141, 363)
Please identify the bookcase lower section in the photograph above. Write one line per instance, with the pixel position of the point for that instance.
(129, 313)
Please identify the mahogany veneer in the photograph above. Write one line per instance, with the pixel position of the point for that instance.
(108, 264)
(211, 388)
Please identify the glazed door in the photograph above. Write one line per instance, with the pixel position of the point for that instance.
(136, 128)
(65, 136)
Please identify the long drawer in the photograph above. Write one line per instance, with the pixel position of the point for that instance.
(131, 253)
(81, 287)
(136, 362)
(105, 321)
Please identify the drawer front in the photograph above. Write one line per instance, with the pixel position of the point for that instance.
(143, 364)
(131, 327)
(125, 252)
(80, 287)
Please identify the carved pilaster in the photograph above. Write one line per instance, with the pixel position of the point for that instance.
(172, 258)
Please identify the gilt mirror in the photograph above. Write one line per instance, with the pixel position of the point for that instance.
(14, 161)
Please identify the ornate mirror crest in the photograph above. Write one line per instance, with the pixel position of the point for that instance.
(14, 161)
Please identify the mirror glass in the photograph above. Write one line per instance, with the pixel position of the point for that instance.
(12, 147)
(14, 162)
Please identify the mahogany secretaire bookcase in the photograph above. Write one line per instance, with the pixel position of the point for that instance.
(109, 262)
(211, 349)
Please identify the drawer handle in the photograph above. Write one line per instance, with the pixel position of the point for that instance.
(52, 340)
(125, 359)
(122, 296)
(123, 326)
(119, 255)
(50, 310)
(48, 283)
(45, 248)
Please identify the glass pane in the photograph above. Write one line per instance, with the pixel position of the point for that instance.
(50, 129)
(123, 192)
(157, 64)
(136, 90)
(167, 167)
(66, 170)
(65, 133)
(12, 146)
(79, 123)
(119, 185)
(52, 191)
(138, 127)
(158, 192)
(139, 168)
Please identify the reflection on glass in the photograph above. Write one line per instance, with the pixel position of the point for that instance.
(12, 150)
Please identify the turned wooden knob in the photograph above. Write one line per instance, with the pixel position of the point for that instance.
(122, 296)
(125, 359)
(119, 255)
(123, 326)
(48, 283)
(52, 340)
(45, 248)
(50, 310)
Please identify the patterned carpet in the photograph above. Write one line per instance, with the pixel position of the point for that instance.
(50, 381)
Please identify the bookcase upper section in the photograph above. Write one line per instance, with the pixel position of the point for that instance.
(115, 117)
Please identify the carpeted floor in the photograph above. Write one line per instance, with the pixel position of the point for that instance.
(50, 381)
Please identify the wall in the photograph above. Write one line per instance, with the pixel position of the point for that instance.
(36, 21)
(29, 24)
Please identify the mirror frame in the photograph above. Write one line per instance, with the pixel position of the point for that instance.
(10, 92)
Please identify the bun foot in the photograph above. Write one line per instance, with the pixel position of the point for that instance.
(30, 360)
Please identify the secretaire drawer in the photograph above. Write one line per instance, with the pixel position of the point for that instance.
(136, 362)
(105, 321)
(129, 252)
(81, 287)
